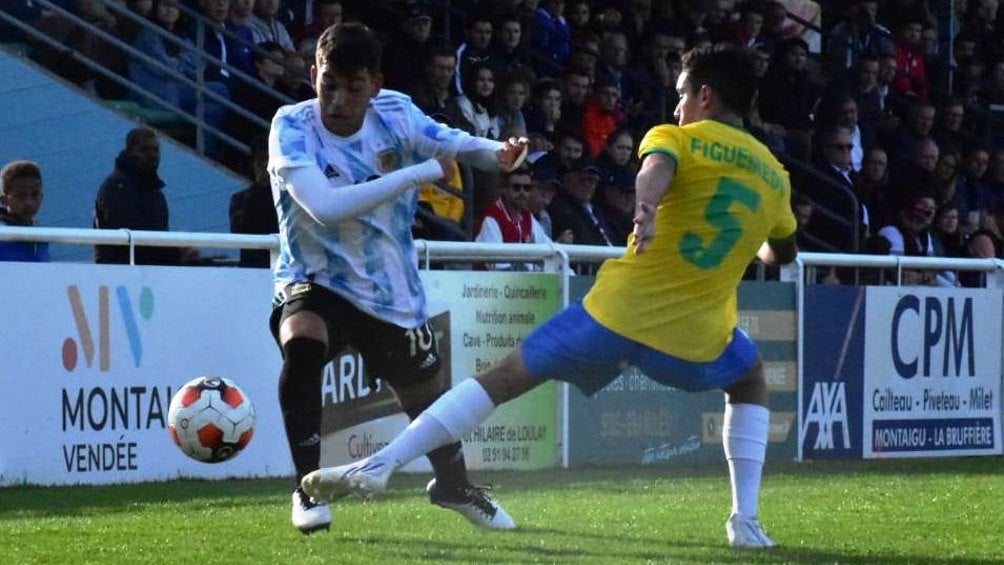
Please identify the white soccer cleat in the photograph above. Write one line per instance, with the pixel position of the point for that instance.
(367, 477)
(747, 533)
(309, 516)
(474, 504)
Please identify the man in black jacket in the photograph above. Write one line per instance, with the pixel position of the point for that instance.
(572, 207)
(252, 209)
(833, 218)
(131, 198)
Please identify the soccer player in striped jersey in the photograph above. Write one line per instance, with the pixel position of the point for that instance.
(345, 168)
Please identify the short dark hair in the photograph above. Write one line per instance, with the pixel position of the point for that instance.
(136, 135)
(267, 50)
(622, 130)
(606, 81)
(577, 70)
(477, 17)
(827, 135)
(800, 200)
(18, 170)
(522, 171)
(509, 17)
(545, 85)
(866, 58)
(726, 69)
(910, 18)
(751, 8)
(513, 77)
(350, 47)
(789, 44)
(440, 49)
(976, 148)
(950, 101)
(921, 142)
(964, 37)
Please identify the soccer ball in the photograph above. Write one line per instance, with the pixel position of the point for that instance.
(211, 419)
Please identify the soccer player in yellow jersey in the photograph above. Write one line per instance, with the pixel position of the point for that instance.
(710, 199)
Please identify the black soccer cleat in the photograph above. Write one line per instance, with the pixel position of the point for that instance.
(474, 504)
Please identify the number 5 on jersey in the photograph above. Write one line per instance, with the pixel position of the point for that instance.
(718, 213)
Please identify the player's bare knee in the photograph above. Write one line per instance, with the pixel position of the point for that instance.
(508, 378)
(750, 389)
(304, 324)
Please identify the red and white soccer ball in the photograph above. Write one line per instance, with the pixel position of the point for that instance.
(211, 419)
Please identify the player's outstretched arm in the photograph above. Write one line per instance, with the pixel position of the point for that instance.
(432, 138)
(654, 178)
(309, 188)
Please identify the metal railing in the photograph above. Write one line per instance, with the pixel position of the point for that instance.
(109, 74)
(194, 15)
(194, 119)
(136, 238)
(441, 249)
(201, 59)
(804, 170)
(802, 269)
(201, 25)
(555, 257)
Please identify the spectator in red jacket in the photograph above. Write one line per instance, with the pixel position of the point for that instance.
(911, 74)
(509, 219)
(326, 14)
(602, 116)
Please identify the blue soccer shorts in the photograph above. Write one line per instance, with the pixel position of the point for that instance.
(575, 348)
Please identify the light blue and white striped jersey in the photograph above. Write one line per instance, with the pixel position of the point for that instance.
(371, 259)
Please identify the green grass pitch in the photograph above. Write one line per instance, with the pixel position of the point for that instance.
(894, 511)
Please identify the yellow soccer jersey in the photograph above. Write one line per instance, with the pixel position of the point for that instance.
(728, 196)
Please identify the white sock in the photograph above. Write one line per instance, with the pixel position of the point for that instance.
(744, 436)
(449, 418)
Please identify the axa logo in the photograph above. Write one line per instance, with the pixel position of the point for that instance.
(93, 328)
(827, 408)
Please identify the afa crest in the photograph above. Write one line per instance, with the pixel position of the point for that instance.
(388, 160)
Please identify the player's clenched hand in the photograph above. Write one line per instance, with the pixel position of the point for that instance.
(644, 226)
(513, 153)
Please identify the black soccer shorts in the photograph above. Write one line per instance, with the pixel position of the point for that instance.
(399, 356)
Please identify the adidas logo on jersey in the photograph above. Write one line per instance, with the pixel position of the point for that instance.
(331, 172)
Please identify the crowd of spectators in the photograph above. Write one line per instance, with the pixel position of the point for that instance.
(881, 124)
